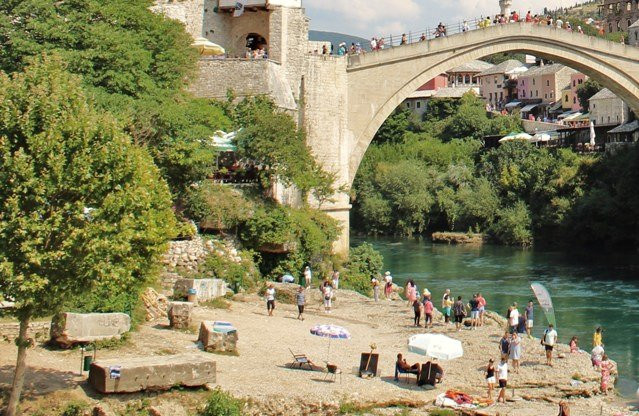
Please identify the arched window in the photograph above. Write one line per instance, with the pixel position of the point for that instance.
(255, 41)
(629, 23)
(460, 79)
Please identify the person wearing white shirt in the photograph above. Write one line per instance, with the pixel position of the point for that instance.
(270, 298)
(549, 340)
(502, 372)
(388, 287)
(513, 319)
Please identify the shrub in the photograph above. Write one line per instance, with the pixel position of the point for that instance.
(75, 408)
(364, 262)
(514, 226)
(240, 275)
(221, 403)
(217, 206)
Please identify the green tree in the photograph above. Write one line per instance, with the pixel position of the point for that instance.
(469, 121)
(272, 138)
(396, 125)
(514, 226)
(82, 208)
(587, 90)
(134, 62)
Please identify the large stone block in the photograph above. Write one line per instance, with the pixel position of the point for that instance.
(221, 338)
(128, 375)
(205, 289)
(180, 314)
(68, 328)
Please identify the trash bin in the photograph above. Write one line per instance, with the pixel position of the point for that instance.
(191, 295)
(87, 362)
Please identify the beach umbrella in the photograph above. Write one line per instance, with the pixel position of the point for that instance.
(592, 133)
(331, 332)
(545, 301)
(515, 136)
(208, 48)
(437, 346)
(540, 137)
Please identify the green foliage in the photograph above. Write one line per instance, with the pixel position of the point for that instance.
(498, 58)
(514, 226)
(303, 235)
(221, 403)
(272, 138)
(217, 206)
(393, 129)
(587, 90)
(75, 408)
(134, 63)
(83, 210)
(364, 262)
(242, 274)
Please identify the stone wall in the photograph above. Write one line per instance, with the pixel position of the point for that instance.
(186, 256)
(533, 127)
(188, 12)
(39, 331)
(246, 77)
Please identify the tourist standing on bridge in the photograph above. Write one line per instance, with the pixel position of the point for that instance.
(404, 40)
(465, 27)
(529, 17)
(373, 44)
(422, 38)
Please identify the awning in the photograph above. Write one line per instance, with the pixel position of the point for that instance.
(556, 106)
(529, 108)
(513, 104)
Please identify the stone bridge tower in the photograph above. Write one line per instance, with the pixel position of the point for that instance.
(505, 7)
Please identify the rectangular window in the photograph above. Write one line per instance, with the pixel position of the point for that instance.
(490, 96)
(419, 104)
(546, 96)
(408, 104)
(533, 81)
(574, 83)
(574, 100)
(536, 93)
(566, 100)
(548, 83)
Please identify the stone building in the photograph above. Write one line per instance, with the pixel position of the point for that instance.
(498, 84)
(606, 109)
(465, 75)
(619, 15)
(541, 87)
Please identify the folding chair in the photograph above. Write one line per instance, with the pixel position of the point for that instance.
(301, 360)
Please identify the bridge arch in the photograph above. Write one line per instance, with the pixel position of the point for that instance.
(379, 82)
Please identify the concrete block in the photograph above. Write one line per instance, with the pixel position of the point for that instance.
(180, 314)
(128, 375)
(205, 289)
(212, 339)
(68, 329)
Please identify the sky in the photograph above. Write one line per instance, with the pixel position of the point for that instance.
(369, 18)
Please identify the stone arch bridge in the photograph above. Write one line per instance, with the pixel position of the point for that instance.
(345, 101)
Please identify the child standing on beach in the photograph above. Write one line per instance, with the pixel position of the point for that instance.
(490, 377)
(428, 312)
(417, 308)
(301, 301)
(270, 298)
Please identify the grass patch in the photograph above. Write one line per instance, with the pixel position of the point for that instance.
(217, 303)
(442, 412)
(75, 408)
(350, 408)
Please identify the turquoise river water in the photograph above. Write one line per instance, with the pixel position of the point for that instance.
(588, 288)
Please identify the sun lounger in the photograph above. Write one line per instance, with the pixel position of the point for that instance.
(300, 361)
(399, 371)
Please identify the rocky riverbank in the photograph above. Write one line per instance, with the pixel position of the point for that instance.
(260, 374)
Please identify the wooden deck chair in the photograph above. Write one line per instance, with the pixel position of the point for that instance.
(300, 361)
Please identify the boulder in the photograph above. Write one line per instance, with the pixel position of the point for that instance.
(180, 314)
(102, 409)
(68, 329)
(129, 375)
(205, 289)
(215, 338)
(155, 304)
